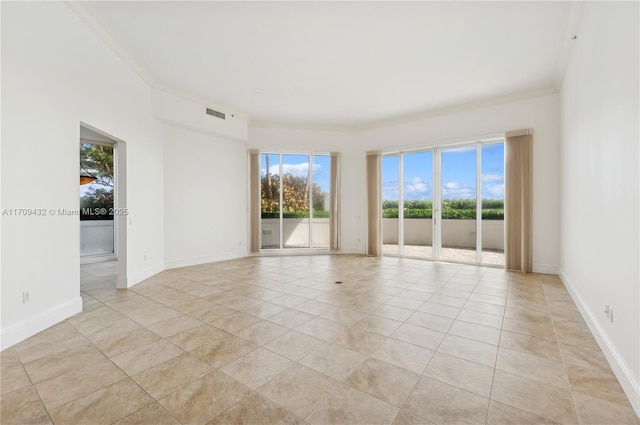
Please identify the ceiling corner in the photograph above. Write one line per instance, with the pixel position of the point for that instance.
(101, 30)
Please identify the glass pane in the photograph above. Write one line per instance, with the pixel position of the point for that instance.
(459, 204)
(270, 200)
(96, 199)
(321, 174)
(493, 203)
(295, 201)
(417, 182)
(390, 186)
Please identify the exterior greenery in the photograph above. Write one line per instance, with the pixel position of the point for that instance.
(456, 209)
(295, 191)
(97, 161)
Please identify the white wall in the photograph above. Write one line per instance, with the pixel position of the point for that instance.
(540, 113)
(205, 197)
(600, 182)
(56, 74)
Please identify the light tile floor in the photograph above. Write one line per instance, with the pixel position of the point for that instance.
(273, 340)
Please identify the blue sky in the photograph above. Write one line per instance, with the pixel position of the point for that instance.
(298, 165)
(458, 174)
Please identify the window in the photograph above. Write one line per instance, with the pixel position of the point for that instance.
(295, 201)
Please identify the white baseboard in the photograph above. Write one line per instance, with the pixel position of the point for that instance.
(616, 361)
(20, 331)
(186, 262)
(356, 251)
(545, 269)
(138, 277)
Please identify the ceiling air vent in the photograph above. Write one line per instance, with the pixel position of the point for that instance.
(215, 113)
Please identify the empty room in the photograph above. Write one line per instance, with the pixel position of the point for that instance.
(320, 212)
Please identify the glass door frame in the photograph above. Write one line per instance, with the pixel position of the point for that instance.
(311, 156)
(437, 195)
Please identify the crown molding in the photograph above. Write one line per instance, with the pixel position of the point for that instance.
(573, 25)
(118, 47)
(102, 31)
(203, 100)
(404, 119)
(304, 127)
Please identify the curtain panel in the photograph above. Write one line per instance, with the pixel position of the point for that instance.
(518, 206)
(254, 201)
(374, 208)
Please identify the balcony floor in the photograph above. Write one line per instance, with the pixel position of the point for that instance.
(462, 255)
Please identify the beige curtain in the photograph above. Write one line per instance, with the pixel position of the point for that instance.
(518, 199)
(254, 200)
(374, 219)
(334, 203)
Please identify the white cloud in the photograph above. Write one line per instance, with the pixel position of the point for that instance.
(496, 189)
(415, 187)
(297, 170)
(489, 178)
(390, 191)
(455, 190)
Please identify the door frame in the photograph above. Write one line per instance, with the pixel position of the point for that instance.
(119, 199)
(437, 150)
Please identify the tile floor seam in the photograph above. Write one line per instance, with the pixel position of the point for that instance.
(37, 393)
(566, 371)
(493, 377)
(126, 377)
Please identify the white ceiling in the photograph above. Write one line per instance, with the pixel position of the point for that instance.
(340, 63)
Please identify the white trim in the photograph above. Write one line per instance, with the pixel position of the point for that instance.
(20, 331)
(447, 110)
(141, 275)
(619, 366)
(353, 251)
(445, 144)
(400, 204)
(479, 202)
(106, 35)
(186, 262)
(573, 25)
(546, 268)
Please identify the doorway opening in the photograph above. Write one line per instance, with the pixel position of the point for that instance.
(445, 203)
(103, 210)
(295, 201)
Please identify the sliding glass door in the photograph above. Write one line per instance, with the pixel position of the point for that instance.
(459, 204)
(294, 201)
(390, 206)
(417, 204)
(492, 203)
(445, 203)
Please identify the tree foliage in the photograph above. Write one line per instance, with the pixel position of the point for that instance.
(452, 209)
(97, 161)
(295, 196)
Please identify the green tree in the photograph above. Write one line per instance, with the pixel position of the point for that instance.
(295, 196)
(97, 161)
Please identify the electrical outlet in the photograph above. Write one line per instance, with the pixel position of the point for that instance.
(25, 297)
(606, 310)
(611, 314)
(145, 257)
